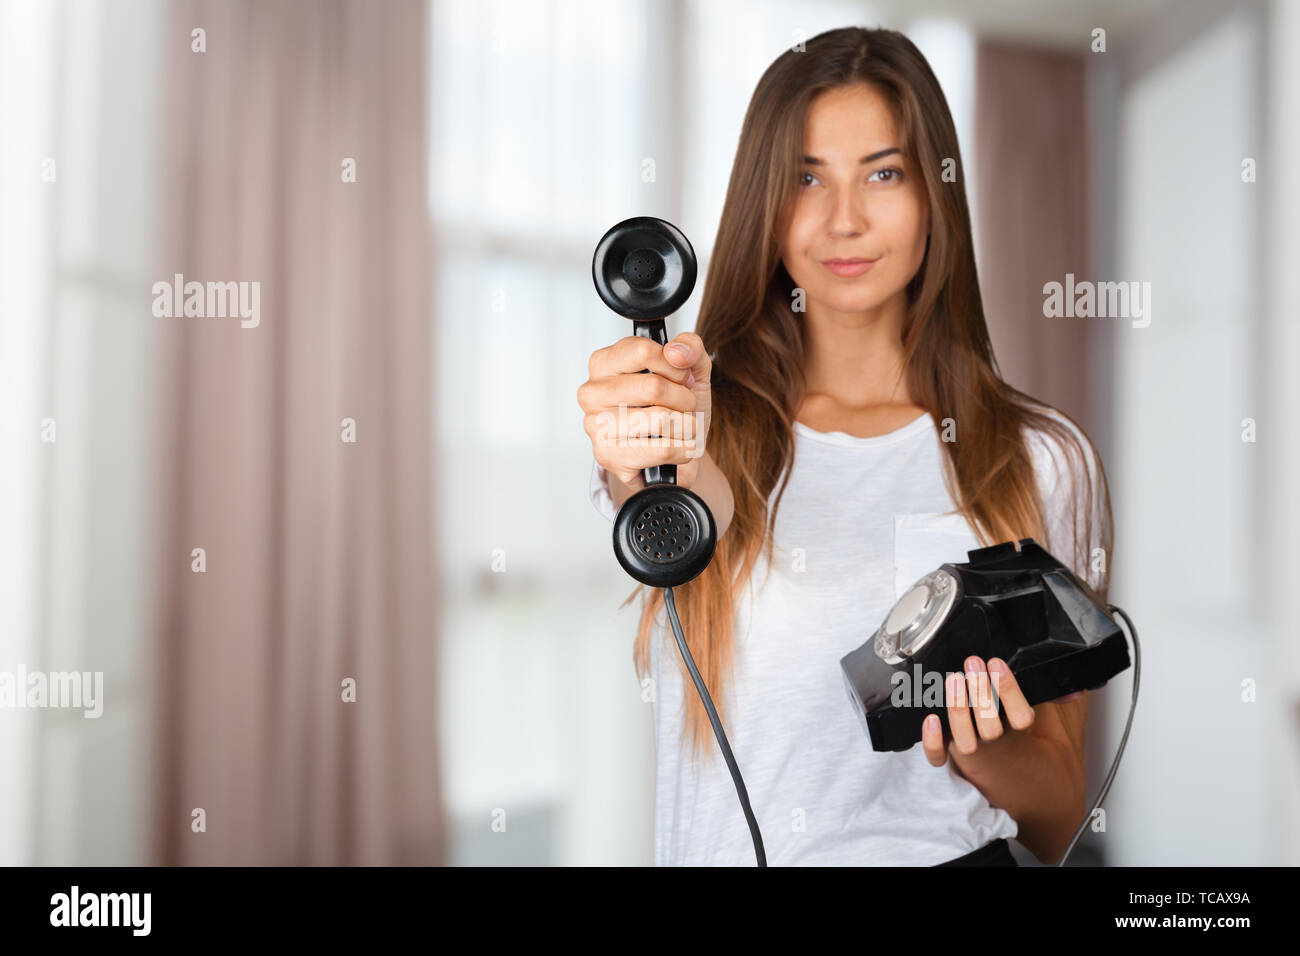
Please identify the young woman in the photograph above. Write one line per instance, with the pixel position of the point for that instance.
(857, 435)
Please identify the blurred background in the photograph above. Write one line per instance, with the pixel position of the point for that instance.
(335, 559)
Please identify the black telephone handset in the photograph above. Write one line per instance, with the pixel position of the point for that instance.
(664, 535)
(644, 269)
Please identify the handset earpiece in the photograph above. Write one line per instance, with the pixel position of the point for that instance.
(644, 269)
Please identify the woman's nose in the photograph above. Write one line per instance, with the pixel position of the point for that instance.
(848, 214)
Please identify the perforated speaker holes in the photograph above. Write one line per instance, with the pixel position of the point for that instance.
(663, 531)
(643, 269)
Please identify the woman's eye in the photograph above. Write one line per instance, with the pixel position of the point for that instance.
(890, 174)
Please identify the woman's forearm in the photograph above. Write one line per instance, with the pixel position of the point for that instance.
(1040, 785)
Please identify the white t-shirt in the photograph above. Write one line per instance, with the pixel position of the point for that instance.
(861, 521)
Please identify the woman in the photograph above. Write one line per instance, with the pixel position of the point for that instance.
(856, 435)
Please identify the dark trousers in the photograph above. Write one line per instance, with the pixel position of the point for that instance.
(996, 853)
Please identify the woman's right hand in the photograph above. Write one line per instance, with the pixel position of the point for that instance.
(672, 400)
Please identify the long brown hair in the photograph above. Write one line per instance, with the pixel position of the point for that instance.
(757, 343)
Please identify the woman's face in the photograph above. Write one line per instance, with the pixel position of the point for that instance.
(848, 209)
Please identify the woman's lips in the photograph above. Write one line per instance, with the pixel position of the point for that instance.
(848, 268)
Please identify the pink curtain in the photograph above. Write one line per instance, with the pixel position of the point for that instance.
(1031, 161)
(318, 550)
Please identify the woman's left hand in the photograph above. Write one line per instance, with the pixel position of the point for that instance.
(973, 738)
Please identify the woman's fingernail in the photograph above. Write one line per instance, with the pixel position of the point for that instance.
(690, 379)
(679, 351)
(931, 724)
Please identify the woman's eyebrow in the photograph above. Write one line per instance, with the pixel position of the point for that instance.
(815, 161)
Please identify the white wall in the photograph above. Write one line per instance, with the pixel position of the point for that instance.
(1194, 788)
(1282, 390)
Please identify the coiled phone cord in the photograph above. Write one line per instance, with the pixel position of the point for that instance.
(671, 603)
(1123, 741)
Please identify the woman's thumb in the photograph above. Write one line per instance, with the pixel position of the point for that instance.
(687, 351)
(680, 354)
